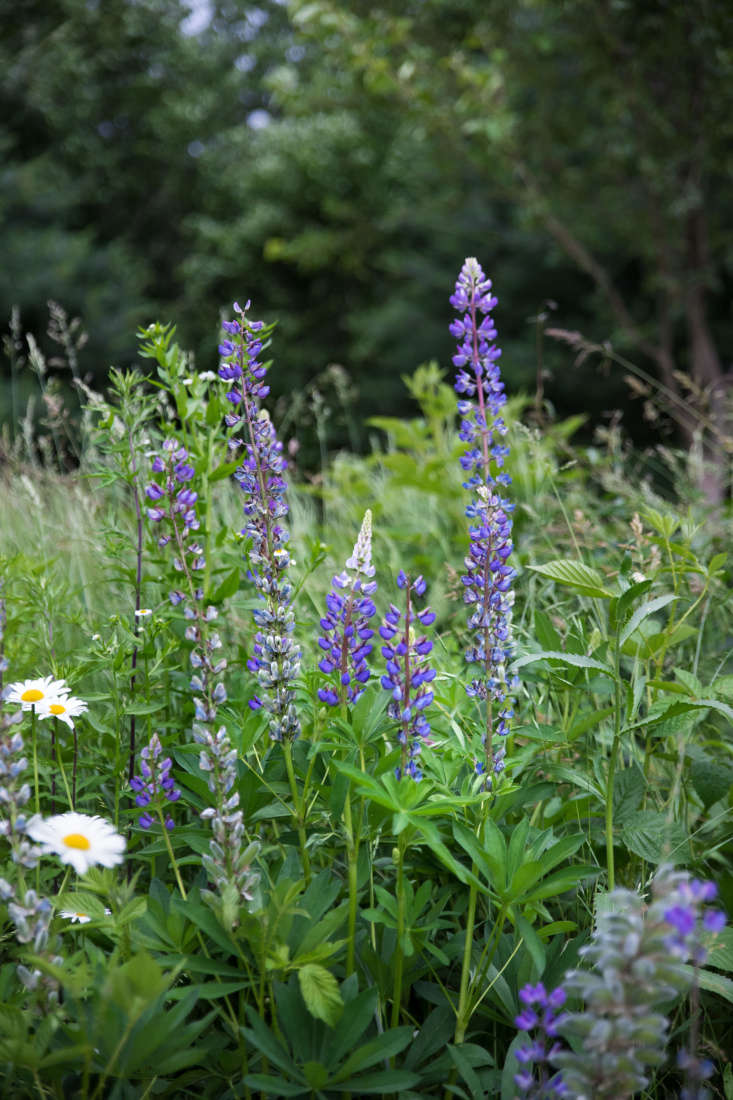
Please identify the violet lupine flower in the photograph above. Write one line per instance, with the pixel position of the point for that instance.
(539, 1014)
(346, 638)
(175, 501)
(408, 677)
(276, 657)
(488, 577)
(155, 785)
(176, 510)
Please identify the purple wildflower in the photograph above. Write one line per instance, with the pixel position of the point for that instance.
(155, 785)
(177, 507)
(488, 577)
(346, 639)
(408, 677)
(276, 657)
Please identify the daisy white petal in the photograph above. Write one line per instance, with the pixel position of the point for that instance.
(65, 709)
(78, 839)
(30, 693)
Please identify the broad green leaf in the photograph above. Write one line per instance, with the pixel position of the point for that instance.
(275, 1086)
(321, 993)
(577, 575)
(643, 613)
(720, 949)
(383, 1083)
(714, 983)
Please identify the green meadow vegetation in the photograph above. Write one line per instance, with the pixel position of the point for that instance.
(280, 881)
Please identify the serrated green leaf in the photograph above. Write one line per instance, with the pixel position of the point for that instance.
(575, 574)
(576, 660)
(321, 993)
(643, 613)
(649, 835)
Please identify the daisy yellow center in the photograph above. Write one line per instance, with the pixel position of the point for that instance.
(80, 914)
(57, 708)
(31, 695)
(77, 840)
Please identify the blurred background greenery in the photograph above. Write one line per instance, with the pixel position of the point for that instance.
(336, 160)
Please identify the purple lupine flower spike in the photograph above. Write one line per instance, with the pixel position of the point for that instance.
(155, 785)
(175, 509)
(276, 657)
(346, 639)
(488, 577)
(408, 677)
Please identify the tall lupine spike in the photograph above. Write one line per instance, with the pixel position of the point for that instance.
(488, 577)
(346, 639)
(276, 657)
(408, 677)
(174, 508)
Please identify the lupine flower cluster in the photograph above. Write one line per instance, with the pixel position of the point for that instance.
(175, 501)
(539, 1015)
(155, 785)
(275, 660)
(637, 956)
(346, 639)
(408, 676)
(228, 863)
(488, 577)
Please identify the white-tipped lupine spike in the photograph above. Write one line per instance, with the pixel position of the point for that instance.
(361, 558)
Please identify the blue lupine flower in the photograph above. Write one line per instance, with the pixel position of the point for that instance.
(346, 639)
(408, 677)
(276, 657)
(540, 1014)
(155, 785)
(488, 577)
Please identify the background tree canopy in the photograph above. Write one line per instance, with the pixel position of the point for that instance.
(335, 161)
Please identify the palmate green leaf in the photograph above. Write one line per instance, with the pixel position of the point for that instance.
(643, 613)
(380, 1084)
(720, 948)
(575, 660)
(532, 941)
(262, 1039)
(321, 993)
(275, 1086)
(575, 574)
(560, 882)
(375, 1050)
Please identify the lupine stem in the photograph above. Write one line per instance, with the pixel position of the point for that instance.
(352, 856)
(399, 953)
(298, 808)
(612, 763)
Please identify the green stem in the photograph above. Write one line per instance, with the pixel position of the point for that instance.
(352, 855)
(399, 954)
(174, 861)
(612, 764)
(463, 1013)
(297, 809)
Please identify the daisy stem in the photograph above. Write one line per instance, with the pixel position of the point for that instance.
(73, 770)
(65, 781)
(34, 738)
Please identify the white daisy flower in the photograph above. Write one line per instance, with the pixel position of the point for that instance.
(62, 708)
(79, 918)
(144, 613)
(30, 693)
(78, 839)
